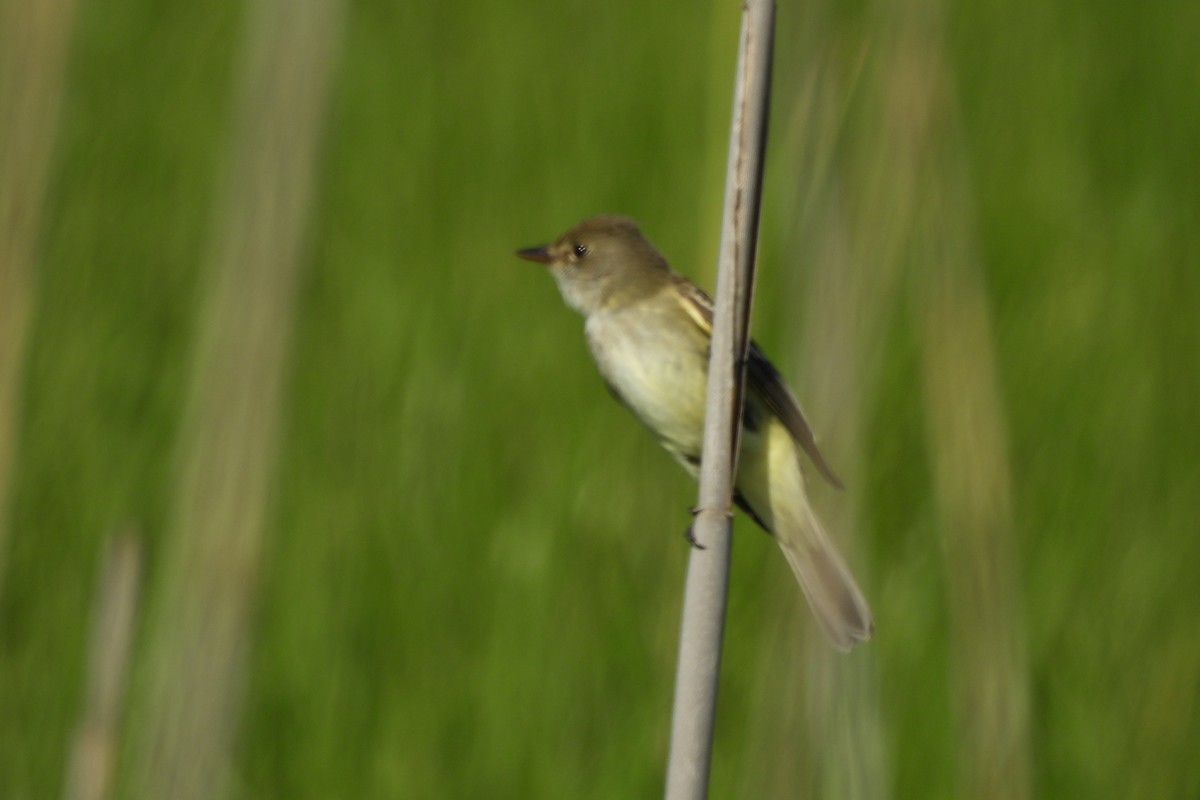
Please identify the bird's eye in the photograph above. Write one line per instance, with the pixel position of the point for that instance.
(580, 251)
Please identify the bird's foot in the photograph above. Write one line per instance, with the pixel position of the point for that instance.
(690, 535)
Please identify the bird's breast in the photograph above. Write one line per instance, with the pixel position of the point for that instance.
(656, 364)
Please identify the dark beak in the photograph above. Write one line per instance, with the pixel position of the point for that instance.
(538, 254)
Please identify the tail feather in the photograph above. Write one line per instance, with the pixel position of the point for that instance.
(834, 597)
(771, 487)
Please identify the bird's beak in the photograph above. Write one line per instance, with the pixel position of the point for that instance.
(538, 254)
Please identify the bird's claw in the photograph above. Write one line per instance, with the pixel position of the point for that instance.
(690, 536)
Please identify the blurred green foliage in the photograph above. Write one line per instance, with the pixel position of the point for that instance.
(474, 568)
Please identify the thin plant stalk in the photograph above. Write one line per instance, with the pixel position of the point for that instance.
(34, 45)
(702, 628)
(212, 559)
(92, 764)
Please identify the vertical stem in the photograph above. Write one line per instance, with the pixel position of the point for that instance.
(968, 443)
(969, 449)
(703, 622)
(93, 759)
(34, 39)
(212, 558)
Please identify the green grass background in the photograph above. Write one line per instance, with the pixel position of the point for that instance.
(474, 563)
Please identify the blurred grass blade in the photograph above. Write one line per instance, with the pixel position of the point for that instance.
(971, 473)
(967, 439)
(850, 297)
(206, 594)
(92, 764)
(34, 40)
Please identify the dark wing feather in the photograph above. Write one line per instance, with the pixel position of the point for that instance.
(763, 379)
(744, 506)
(767, 383)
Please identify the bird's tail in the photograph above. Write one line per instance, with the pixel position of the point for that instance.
(771, 485)
(832, 593)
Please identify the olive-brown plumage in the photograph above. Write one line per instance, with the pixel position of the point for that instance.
(649, 329)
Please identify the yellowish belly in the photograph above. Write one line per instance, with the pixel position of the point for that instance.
(658, 369)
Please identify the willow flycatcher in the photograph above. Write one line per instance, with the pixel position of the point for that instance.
(649, 330)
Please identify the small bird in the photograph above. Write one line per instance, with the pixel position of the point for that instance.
(649, 330)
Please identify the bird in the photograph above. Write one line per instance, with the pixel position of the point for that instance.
(649, 331)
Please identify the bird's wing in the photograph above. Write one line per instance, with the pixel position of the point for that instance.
(762, 378)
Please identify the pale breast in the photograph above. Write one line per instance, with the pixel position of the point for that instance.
(656, 365)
